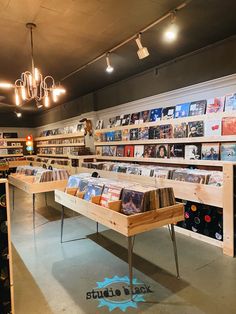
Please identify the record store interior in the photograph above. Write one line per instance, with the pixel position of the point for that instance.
(117, 156)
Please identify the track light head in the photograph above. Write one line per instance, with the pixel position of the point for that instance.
(109, 68)
(142, 51)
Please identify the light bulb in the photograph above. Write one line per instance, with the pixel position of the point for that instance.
(55, 93)
(18, 114)
(170, 34)
(5, 85)
(36, 74)
(30, 80)
(109, 68)
(23, 93)
(46, 101)
(17, 98)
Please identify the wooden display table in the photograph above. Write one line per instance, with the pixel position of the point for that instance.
(26, 184)
(129, 226)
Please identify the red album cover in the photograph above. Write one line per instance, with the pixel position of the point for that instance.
(229, 126)
(129, 150)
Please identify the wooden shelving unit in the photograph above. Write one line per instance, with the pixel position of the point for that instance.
(59, 136)
(11, 155)
(53, 155)
(7, 209)
(61, 145)
(20, 146)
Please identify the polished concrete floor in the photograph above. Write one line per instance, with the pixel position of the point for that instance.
(51, 277)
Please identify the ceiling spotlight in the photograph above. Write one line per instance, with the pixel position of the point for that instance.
(142, 51)
(171, 33)
(109, 68)
(18, 114)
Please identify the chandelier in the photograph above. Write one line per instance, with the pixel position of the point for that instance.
(32, 85)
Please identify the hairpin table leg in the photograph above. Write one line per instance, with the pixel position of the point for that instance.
(97, 227)
(175, 249)
(62, 221)
(33, 210)
(130, 255)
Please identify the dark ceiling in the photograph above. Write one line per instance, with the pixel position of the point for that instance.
(71, 33)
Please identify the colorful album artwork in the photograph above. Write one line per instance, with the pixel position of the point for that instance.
(182, 110)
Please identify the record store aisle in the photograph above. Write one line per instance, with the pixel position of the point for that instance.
(51, 277)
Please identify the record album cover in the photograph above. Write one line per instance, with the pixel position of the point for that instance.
(149, 151)
(125, 135)
(133, 135)
(168, 113)
(155, 114)
(99, 125)
(120, 151)
(228, 151)
(134, 119)
(112, 122)
(192, 152)
(162, 151)
(125, 119)
(166, 131)
(197, 108)
(196, 129)
(144, 116)
(180, 130)
(92, 190)
(176, 151)
(143, 133)
(109, 151)
(210, 151)
(132, 202)
(215, 105)
(99, 150)
(110, 193)
(229, 126)
(118, 135)
(230, 102)
(110, 136)
(212, 128)
(138, 151)
(129, 150)
(182, 110)
(154, 132)
(118, 121)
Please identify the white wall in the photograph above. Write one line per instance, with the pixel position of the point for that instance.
(22, 132)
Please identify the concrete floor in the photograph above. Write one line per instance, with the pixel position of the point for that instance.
(51, 277)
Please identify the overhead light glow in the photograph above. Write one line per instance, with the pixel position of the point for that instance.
(5, 85)
(23, 93)
(46, 101)
(109, 68)
(18, 114)
(36, 74)
(142, 51)
(171, 33)
(17, 98)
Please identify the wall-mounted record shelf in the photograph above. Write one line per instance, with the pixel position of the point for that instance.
(204, 117)
(53, 155)
(11, 155)
(192, 140)
(61, 145)
(13, 147)
(179, 161)
(59, 136)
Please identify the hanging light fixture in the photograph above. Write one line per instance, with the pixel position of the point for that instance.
(109, 68)
(32, 85)
(142, 51)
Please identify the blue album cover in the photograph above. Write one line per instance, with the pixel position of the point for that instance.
(110, 136)
(155, 114)
(182, 110)
(92, 190)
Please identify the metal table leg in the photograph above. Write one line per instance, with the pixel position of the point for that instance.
(62, 220)
(33, 210)
(175, 249)
(130, 255)
(46, 201)
(13, 197)
(97, 227)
